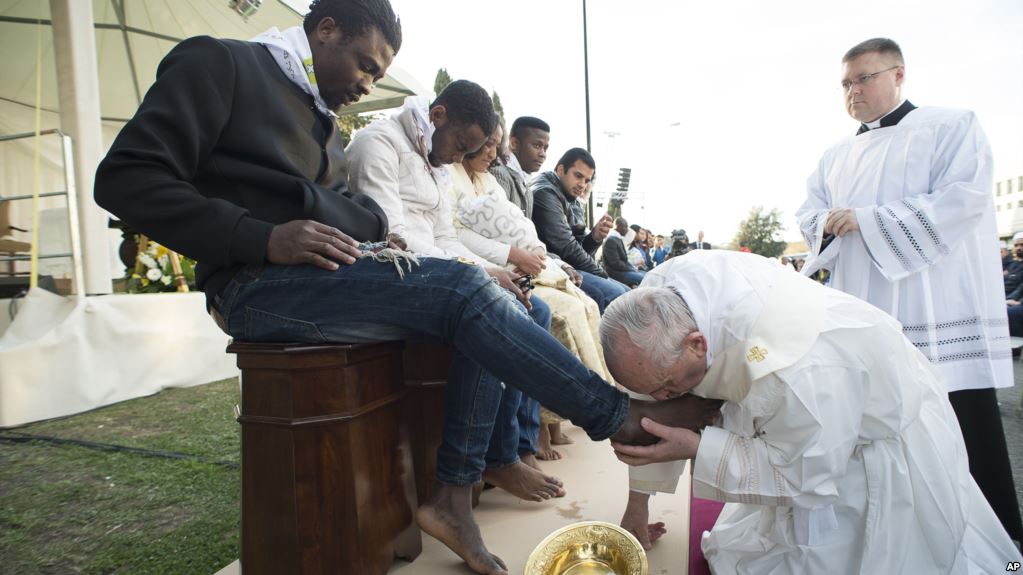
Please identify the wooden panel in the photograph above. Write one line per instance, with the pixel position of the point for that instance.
(426, 374)
(328, 483)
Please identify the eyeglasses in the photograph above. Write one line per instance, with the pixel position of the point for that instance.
(864, 79)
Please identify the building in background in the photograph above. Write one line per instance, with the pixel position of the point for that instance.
(1009, 206)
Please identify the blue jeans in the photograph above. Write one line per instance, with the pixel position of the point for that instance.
(445, 300)
(1015, 320)
(601, 290)
(517, 427)
(631, 278)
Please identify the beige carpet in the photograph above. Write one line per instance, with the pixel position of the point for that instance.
(597, 485)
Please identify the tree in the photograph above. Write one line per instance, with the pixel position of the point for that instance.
(349, 123)
(497, 103)
(442, 81)
(757, 232)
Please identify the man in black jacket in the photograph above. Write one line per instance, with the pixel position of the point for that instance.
(234, 158)
(1012, 272)
(557, 213)
(616, 256)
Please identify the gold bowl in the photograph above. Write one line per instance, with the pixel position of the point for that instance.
(588, 548)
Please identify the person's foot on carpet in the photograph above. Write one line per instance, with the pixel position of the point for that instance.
(524, 482)
(544, 450)
(448, 518)
(558, 437)
(530, 460)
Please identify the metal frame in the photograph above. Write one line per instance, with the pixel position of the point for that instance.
(71, 194)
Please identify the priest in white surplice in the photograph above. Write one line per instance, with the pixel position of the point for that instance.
(902, 214)
(837, 450)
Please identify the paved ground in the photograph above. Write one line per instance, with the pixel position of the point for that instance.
(1012, 419)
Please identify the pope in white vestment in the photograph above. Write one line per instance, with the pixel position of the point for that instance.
(837, 450)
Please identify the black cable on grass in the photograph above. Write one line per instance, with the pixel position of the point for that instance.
(15, 437)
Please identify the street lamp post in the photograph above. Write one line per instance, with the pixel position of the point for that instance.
(586, 72)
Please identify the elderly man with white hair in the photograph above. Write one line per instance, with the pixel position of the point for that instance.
(837, 450)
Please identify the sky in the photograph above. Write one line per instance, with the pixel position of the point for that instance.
(717, 106)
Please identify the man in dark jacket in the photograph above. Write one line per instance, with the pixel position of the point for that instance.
(557, 213)
(1012, 271)
(616, 257)
(234, 159)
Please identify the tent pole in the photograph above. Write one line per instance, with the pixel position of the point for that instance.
(74, 49)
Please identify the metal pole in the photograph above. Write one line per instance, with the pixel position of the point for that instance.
(586, 72)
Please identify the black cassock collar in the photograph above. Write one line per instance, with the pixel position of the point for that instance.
(893, 117)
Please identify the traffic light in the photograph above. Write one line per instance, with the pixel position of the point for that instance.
(624, 175)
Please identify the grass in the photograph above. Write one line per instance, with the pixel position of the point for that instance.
(73, 509)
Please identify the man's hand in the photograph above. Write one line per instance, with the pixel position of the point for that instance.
(576, 277)
(841, 221)
(309, 242)
(676, 443)
(637, 513)
(1011, 303)
(526, 261)
(507, 280)
(602, 227)
(396, 242)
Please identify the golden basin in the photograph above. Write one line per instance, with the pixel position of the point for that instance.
(588, 548)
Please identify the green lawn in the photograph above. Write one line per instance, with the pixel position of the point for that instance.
(74, 509)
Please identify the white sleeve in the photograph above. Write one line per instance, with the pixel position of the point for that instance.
(444, 236)
(812, 216)
(373, 170)
(909, 235)
(493, 251)
(796, 453)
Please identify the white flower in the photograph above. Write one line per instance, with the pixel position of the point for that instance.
(153, 274)
(163, 260)
(166, 280)
(148, 261)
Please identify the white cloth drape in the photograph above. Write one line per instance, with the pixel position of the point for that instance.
(62, 356)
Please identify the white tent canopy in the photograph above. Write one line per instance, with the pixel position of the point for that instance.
(132, 36)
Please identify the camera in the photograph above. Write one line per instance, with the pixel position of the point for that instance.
(525, 283)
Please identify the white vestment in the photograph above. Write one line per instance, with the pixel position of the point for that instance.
(838, 450)
(926, 250)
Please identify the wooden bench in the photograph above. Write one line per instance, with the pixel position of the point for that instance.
(327, 466)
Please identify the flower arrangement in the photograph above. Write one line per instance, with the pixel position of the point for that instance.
(155, 270)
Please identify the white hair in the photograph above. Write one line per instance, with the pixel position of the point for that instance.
(655, 319)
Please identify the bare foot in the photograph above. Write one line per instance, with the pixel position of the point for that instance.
(448, 518)
(544, 450)
(530, 460)
(524, 482)
(687, 411)
(477, 490)
(558, 437)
